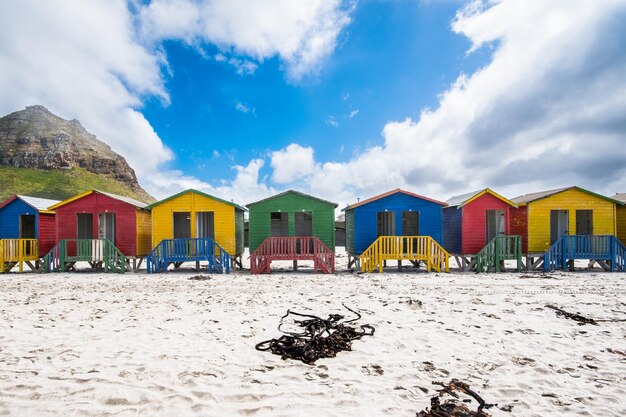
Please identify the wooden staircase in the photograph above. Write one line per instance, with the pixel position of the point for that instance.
(607, 250)
(409, 248)
(18, 252)
(178, 251)
(499, 249)
(99, 253)
(296, 248)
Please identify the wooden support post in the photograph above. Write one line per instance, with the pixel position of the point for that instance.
(295, 265)
(197, 266)
(399, 264)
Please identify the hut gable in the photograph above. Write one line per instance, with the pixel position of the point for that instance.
(290, 203)
(225, 223)
(363, 220)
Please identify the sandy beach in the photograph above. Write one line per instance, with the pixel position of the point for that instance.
(163, 345)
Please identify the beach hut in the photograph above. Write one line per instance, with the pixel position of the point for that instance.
(561, 225)
(27, 231)
(193, 226)
(621, 217)
(477, 225)
(106, 230)
(292, 226)
(397, 225)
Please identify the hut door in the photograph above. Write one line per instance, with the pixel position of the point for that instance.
(84, 226)
(386, 223)
(27, 226)
(559, 220)
(584, 222)
(106, 226)
(182, 225)
(27, 231)
(410, 227)
(304, 227)
(280, 224)
(495, 224)
(205, 224)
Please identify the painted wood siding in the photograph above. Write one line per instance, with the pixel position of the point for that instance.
(144, 232)
(10, 218)
(365, 218)
(323, 217)
(452, 229)
(94, 203)
(474, 233)
(224, 218)
(621, 223)
(570, 200)
(47, 233)
(350, 232)
(239, 231)
(519, 225)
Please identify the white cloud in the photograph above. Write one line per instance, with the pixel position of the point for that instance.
(239, 106)
(353, 113)
(301, 33)
(332, 121)
(292, 163)
(548, 110)
(81, 61)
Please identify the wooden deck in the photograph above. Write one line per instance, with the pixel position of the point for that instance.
(606, 250)
(296, 248)
(498, 250)
(99, 253)
(411, 248)
(18, 252)
(179, 251)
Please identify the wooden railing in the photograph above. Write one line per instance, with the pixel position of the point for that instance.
(411, 248)
(499, 249)
(70, 251)
(177, 251)
(17, 251)
(292, 248)
(570, 247)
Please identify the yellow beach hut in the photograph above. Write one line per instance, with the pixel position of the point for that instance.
(195, 226)
(621, 217)
(565, 223)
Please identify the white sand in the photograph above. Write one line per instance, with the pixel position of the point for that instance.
(162, 345)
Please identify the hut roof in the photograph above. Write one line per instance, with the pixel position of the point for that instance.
(388, 193)
(463, 199)
(293, 192)
(529, 198)
(191, 190)
(125, 199)
(620, 197)
(40, 204)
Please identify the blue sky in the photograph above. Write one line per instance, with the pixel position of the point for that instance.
(392, 60)
(342, 99)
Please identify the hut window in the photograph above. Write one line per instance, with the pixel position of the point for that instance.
(182, 225)
(584, 222)
(386, 223)
(279, 223)
(84, 225)
(559, 220)
(106, 226)
(27, 226)
(205, 224)
(495, 224)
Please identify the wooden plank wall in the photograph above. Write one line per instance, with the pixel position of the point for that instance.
(144, 232)
(453, 229)
(621, 223)
(475, 222)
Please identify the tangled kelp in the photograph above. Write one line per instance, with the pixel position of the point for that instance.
(452, 407)
(320, 338)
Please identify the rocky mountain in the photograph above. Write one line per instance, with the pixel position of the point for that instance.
(44, 155)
